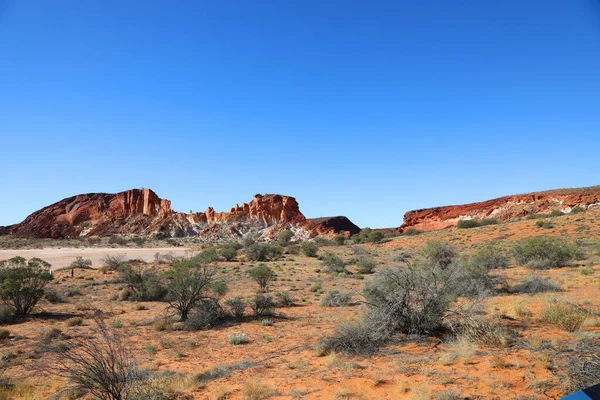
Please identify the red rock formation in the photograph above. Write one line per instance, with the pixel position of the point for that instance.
(503, 208)
(142, 212)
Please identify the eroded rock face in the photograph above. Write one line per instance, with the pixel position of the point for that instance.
(503, 208)
(142, 212)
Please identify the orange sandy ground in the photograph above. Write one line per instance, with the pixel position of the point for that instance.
(287, 365)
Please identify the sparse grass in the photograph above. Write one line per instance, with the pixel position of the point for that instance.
(255, 390)
(74, 321)
(566, 315)
(238, 338)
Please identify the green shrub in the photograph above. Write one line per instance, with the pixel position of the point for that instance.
(438, 253)
(285, 298)
(411, 232)
(205, 315)
(143, 284)
(544, 224)
(366, 265)
(566, 315)
(284, 237)
(228, 253)
(113, 261)
(375, 237)
(334, 263)
(577, 210)
(4, 334)
(309, 249)
(352, 338)
(339, 240)
(263, 275)
(117, 240)
(557, 213)
(262, 305)
(238, 338)
(489, 257)
(335, 298)
(474, 223)
(82, 263)
(22, 283)
(544, 252)
(237, 307)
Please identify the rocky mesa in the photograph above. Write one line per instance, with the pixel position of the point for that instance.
(503, 209)
(142, 212)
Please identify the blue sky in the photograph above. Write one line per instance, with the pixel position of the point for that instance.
(359, 108)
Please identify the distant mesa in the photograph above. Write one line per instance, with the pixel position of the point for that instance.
(503, 209)
(142, 212)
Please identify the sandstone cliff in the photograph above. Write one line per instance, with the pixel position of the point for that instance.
(142, 212)
(503, 208)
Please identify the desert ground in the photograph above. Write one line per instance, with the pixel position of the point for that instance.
(63, 257)
(281, 357)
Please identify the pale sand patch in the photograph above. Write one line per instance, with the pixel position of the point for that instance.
(62, 257)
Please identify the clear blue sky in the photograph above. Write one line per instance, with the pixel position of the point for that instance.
(360, 108)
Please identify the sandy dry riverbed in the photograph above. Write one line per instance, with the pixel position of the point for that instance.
(62, 257)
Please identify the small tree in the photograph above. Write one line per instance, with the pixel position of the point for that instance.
(339, 240)
(228, 253)
(113, 261)
(189, 282)
(143, 283)
(22, 283)
(310, 249)
(284, 237)
(263, 275)
(81, 262)
(375, 237)
(334, 263)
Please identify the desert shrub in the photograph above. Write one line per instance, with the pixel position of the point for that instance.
(352, 338)
(438, 253)
(577, 210)
(74, 321)
(263, 275)
(489, 257)
(566, 315)
(113, 261)
(339, 240)
(366, 265)
(284, 237)
(81, 262)
(416, 298)
(143, 283)
(52, 295)
(7, 314)
(205, 315)
(207, 256)
(228, 253)
(266, 322)
(4, 334)
(101, 366)
(237, 338)
(335, 298)
(474, 223)
(273, 252)
(93, 241)
(556, 213)
(22, 283)
(484, 332)
(237, 307)
(164, 258)
(221, 371)
(262, 305)
(333, 263)
(544, 224)
(542, 252)
(121, 241)
(255, 252)
(188, 284)
(309, 249)
(138, 241)
(375, 237)
(162, 325)
(411, 232)
(285, 298)
(293, 249)
(536, 284)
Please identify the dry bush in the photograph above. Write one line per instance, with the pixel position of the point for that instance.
(566, 315)
(536, 284)
(485, 332)
(335, 298)
(100, 365)
(113, 261)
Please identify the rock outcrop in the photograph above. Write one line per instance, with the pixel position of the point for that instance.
(503, 209)
(142, 212)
